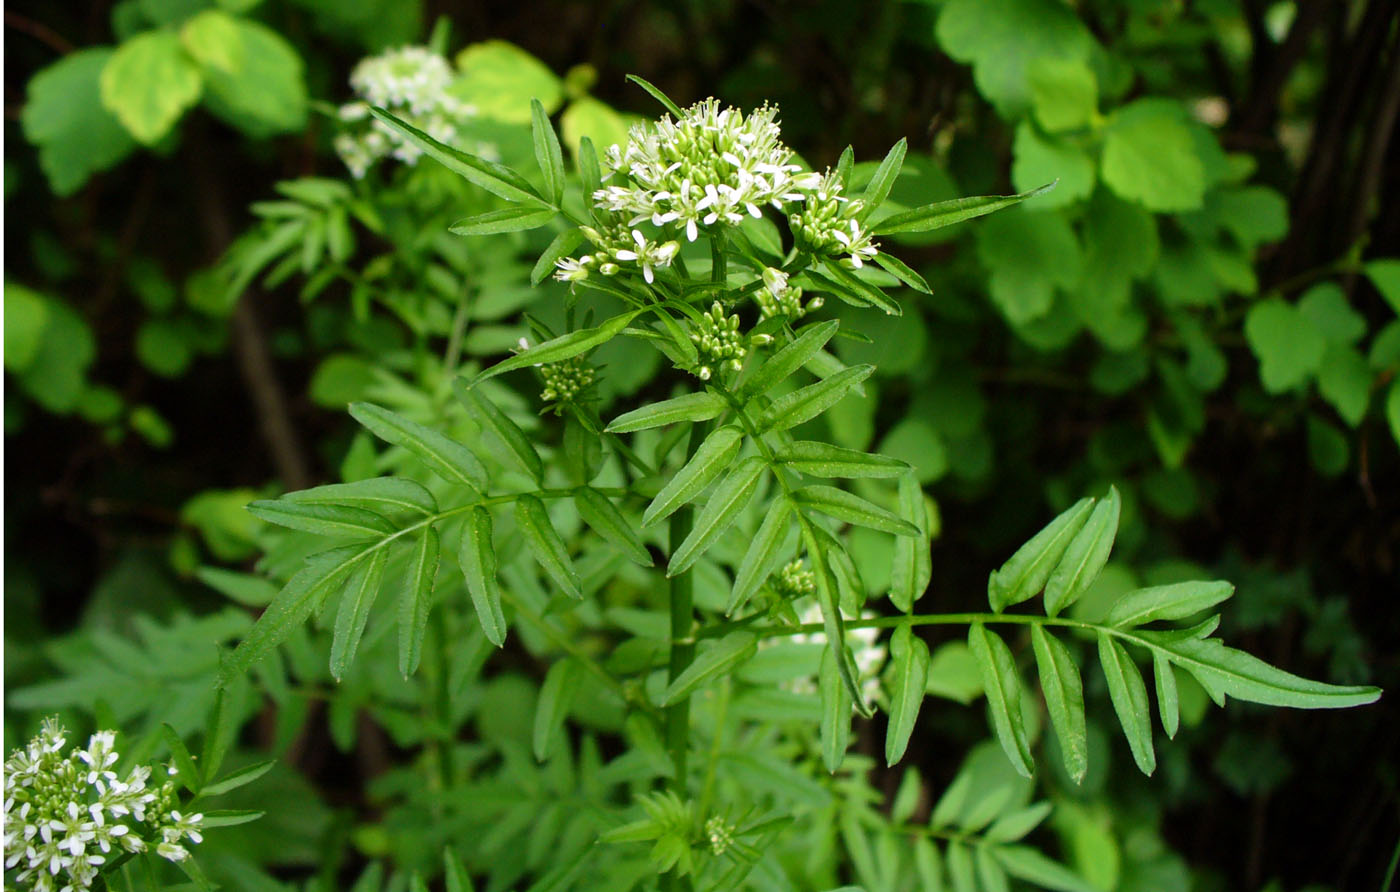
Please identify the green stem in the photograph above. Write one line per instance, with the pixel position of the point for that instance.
(890, 622)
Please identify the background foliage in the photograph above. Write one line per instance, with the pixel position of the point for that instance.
(1203, 313)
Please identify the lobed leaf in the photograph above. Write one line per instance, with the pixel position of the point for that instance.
(1002, 685)
(808, 402)
(852, 508)
(699, 406)
(494, 178)
(946, 213)
(444, 456)
(711, 457)
(1064, 700)
(1129, 696)
(1028, 569)
(1085, 555)
(477, 558)
(353, 614)
(417, 599)
(730, 497)
(818, 459)
(909, 658)
(545, 543)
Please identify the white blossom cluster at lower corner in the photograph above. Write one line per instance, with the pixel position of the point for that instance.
(414, 83)
(68, 815)
(714, 167)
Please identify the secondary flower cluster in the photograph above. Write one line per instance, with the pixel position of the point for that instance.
(719, 343)
(413, 83)
(778, 298)
(828, 224)
(866, 649)
(67, 814)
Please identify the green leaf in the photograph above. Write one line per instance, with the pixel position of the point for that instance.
(883, 179)
(531, 215)
(1180, 600)
(353, 614)
(602, 516)
(1243, 676)
(218, 736)
(845, 163)
(55, 375)
(853, 509)
(790, 358)
(186, 772)
(699, 406)
(545, 544)
(321, 575)
(864, 291)
(1028, 569)
(1384, 273)
(658, 96)
(1129, 696)
(507, 431)
(456, 876)
(266, 93)
(913, 563)
(240, 778)
(946, 213)
(324, 520)
(835, 706)
(1039, 158)
(1002, 685)
(1287, 343)
(711, 457)
(1084, 557)
(1168, 704)
(494, 178)
(547, 152)
(1015, 825)
(444, 456)
(1344, 380)
(1326, 307)
(729, 651)
(384, 493)
(1025, 863)
(76, 136)
(1030, 255)
(588, 118)
(1149, 156)
(1064, 93)
(148, 83)
(808, 402)
(563, 347)
(564, 244)
(823, 460)
(230, 817)
(897, 268)
(561, 683)
(211, 38)
(990, 875)
(500, 80)
(730, 497)
(1064, 700)
(762, 557)
(961, 868)
(416, 600)
(909, 659)
(477, 558)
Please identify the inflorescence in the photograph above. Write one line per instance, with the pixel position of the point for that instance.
(67, 815)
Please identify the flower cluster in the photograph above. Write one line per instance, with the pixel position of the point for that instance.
(719, 343)
(565, 380)
(828, 225)
(866, 649)
(413, 83)
(65, 815)
(794, 580)
(778, 298)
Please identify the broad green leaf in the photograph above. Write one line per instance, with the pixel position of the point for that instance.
(500, 80)
(478, 560)
(1028, 569)
(444, 456)
(180, 757)
(211, 37)
(729, 651)
(790, 358)
(1384, 273)
(1129, 696)
(901, 271)
(325, 520)
(909, 673)
(1026, 863)
(531, 215)
(823, 460)
(946, 213)
(762, 557)
(494, 178)
(353, 614)
(416, 600)
(545, 544)
(603, 517)
(699, 406)
(563, 244)
(1180, 600)
(913, 563)
(730, 497)
(563, 347)
(1168, 703)
(1288, 345)
(1149, 156)
(835, 728)
(658, 96)
(26, 316)
(1064, 700)
(319, 577)
(1246, 677)
(853, 509)
(1031, 256)
(880, 182)
(507, 431)
(711, 458)
(1002, 685)
(953, 673)
(1064, 93)
(1344, 380)
(1084, 557)
(266, 93)
(1014, 825)
(148, 83)
(1038, 158)
(383, 493)
(556, 696)
(240, 778)
(56, 374)
(75, 134)
(588, 118)
(547, 152)
(808, 402)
